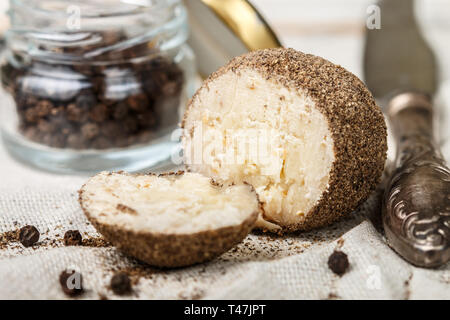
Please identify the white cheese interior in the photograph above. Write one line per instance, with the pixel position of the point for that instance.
(294, 143)
(168, 204)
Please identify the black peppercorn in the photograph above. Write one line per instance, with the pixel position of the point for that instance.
(120, 283)
(73, 238)
(76, 113)
(28, 236)
(31, 115)
(46, 126)
(86, 101)
(71, 283)
(43, 108)
(138, 102)
(130, 125)
(120, 111)
(338, 262)
(89, 130)
(101, 143)
(99, 113)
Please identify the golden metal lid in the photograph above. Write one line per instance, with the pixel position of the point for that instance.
(223, 29)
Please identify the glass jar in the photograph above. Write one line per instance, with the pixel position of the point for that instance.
(94, 85)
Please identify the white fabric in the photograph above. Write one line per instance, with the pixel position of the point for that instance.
(263, 267)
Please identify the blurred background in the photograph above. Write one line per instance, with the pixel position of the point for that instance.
(334, 29)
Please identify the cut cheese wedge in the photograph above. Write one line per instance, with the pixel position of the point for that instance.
(169, 220)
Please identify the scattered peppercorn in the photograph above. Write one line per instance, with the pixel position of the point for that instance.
(71, 283)
(120, 283)
(338, 262)
(73, 238)
(28, 236)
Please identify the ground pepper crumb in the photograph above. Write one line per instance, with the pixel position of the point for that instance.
(95, 242)
(8, 237)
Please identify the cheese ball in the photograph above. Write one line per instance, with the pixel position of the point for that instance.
(304, 132)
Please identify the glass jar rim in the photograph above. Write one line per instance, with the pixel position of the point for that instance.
(137, 7)
(166, 29)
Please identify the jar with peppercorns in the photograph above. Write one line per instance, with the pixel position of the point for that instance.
(94, 85)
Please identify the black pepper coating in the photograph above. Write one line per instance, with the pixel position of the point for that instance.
(28, 236)
(356, 123)
(338, 262)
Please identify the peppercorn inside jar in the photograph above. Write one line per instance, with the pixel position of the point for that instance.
(94, 98)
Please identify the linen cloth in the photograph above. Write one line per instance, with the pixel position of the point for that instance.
(262, 267)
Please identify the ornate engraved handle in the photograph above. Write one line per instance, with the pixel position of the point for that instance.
(416, 209)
